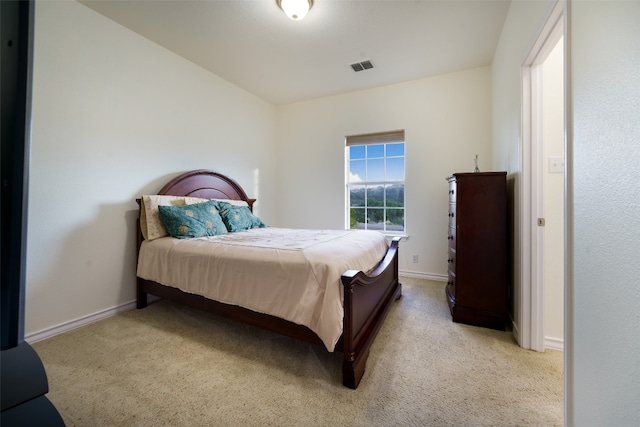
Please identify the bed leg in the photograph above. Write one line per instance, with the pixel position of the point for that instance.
(353, 369)
(141, 296)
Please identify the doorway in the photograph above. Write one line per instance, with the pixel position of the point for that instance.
(542, 189)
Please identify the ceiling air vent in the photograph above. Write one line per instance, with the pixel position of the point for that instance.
(364, 65)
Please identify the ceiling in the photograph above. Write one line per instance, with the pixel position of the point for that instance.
(252, 43)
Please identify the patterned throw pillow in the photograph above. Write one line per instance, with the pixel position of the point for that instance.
(238, 218)
(150, 223)
(197, 220)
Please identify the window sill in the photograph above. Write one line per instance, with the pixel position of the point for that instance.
(391, 236)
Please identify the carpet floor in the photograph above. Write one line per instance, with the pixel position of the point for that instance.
(169, 365)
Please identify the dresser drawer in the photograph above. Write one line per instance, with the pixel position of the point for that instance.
(451, 289)
(452, 214)
(451, 261)
(452, 191)
(451, 237)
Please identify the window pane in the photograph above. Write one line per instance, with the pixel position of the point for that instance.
(357, 171)
(395, 169)
(376, 150)
(375, 196)
(357, 196)
(395, 149)
(357, 218)
(395, 196)
(375, 170)
(375, 219)
(357, 151)
(395, 219)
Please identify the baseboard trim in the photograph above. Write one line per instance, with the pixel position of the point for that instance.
(554, 344)
(426, 276)
(77, 323)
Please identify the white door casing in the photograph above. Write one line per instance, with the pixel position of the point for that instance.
(530, 330)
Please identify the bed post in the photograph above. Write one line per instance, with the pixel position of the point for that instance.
(141, 296)
(352, 371)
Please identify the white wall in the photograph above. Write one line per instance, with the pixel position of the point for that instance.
(447, 120)
(605, 150)
(114, 117)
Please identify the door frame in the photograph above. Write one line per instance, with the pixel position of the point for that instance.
(531, 305)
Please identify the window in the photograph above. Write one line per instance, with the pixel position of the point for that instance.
(375, 181)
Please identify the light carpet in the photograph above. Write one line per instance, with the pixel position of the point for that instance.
(169, 365)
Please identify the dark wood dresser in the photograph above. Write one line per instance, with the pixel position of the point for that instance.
(477, 262)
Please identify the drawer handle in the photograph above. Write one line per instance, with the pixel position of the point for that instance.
(449, 237)
(451, 192)
(450, 214)
(450, 261)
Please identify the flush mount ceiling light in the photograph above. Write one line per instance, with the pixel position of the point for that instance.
(295, 9)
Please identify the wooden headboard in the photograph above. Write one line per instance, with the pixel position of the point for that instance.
(203, 183)
(206, 184)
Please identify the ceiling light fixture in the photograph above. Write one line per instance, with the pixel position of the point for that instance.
(295, 9)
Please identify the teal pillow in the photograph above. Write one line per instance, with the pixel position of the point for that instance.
(197, 220)
(238, 218)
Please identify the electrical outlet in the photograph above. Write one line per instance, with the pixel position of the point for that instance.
(415, 258)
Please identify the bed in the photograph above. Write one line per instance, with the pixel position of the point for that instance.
(357, 298)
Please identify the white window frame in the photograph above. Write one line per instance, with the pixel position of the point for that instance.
(390, 137)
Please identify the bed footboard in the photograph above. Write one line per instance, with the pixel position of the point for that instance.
(367, 300)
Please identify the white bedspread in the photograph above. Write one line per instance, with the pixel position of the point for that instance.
(291, 274)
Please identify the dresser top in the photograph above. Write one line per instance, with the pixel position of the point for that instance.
(474, 174)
